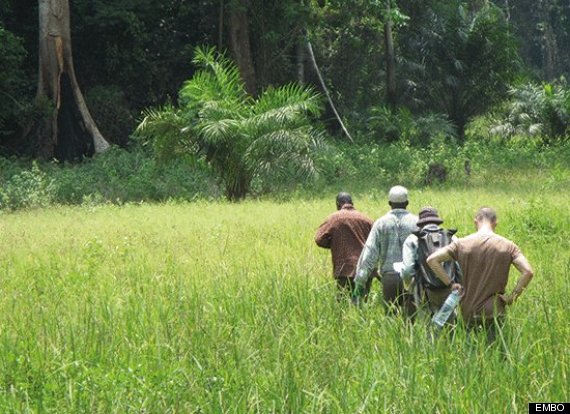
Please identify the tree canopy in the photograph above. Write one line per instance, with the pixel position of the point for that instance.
(455, 58)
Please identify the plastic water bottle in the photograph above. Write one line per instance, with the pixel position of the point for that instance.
(447, 308)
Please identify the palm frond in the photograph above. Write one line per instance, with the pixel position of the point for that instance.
(161, 121)
(167, 131)
(219, 78)
(288, 107)
(282, 152)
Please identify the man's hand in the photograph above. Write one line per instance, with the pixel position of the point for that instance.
(507, 299)
(358, 294)
(458, 287)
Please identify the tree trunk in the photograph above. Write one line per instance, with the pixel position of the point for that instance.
(391, 96)
(237, 181)
(221, 26)
(301, 59)
(240, 44)
(69, 131)
(508, 12)
(548, 40)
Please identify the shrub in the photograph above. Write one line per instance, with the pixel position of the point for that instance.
(536, 110)
(28, 189)
(117, 176)
(387, 125)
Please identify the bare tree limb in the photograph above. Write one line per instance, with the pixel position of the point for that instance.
(324, 86)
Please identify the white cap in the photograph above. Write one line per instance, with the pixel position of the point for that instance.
(398, 194)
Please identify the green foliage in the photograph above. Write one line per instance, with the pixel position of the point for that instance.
(241, 137)
(357, 166)
(347, 41)
(117, 176)
(31, 188)
(466, 54)
(142, 48)
(364, 166)
(536, 110)
(132, 176)
(389, 125)
(278, 28)
(110, 110)
(12, 55)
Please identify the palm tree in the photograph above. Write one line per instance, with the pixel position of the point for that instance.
(240, 136)
(536, 110)
(468, 57)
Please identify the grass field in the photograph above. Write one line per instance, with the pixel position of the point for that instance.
(214, 307)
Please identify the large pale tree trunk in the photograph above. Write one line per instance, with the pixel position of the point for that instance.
(69, 132)
(240, 44)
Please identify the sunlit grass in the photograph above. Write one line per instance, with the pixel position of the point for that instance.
(216, 307)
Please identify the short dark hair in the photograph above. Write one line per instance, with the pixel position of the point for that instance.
(486, 213)
(403, 205)
(343, 198)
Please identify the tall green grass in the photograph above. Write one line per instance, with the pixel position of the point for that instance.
(216, 307)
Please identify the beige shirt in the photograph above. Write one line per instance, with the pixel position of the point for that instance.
(485, 259)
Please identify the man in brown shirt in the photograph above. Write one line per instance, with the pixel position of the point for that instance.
(485, 259)
(344, 232)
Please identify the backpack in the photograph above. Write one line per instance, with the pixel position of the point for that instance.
(428, 242)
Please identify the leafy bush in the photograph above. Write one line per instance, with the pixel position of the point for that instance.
(536, 110)
(121, 176)
(387, 125)
(367, 165)
(117, 176)
(27, 189)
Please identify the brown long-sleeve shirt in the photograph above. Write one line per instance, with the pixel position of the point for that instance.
(345, 233)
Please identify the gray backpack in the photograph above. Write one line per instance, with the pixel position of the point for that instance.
(428, 242)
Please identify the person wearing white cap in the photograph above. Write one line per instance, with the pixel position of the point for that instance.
(383, 248)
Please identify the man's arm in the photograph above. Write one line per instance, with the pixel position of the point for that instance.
(409, 256)
(435, 261)
(323, 237)
(525, 269)
(368, 259)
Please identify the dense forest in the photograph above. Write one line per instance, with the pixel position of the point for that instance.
(77, 76)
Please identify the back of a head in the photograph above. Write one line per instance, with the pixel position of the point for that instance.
(343, 198)
(486, 214)
(398, 197)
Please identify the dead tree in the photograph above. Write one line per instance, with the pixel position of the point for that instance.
(68, 131)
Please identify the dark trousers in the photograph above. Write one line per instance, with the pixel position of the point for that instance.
(491, 327)
(396, 299)
(346, 285)
(435, 299)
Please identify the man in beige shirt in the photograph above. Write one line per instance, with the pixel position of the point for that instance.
(485, 259)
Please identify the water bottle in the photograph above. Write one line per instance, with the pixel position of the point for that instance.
(447, 308)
